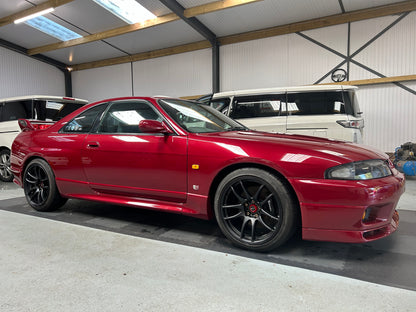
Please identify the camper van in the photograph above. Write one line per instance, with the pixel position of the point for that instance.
(329, 111)
(39, 107)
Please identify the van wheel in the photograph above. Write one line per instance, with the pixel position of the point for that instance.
(255, 210)
(40, 187)
(5, 172)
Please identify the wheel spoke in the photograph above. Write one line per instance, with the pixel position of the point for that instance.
(237, 215)
(243, 226)
(232, 206)
(265, 225)
(269, 215)
(253, 227)
(240, 199)
(32, 193)
(267, 199)
(256, 196)
(244, 190)
(43, 195)
(30, 178)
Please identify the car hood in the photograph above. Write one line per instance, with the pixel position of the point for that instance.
(332, 150)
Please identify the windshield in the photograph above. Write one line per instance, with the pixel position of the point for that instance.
(198, 118)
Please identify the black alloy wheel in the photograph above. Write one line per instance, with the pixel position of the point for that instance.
(5, 172)
(255, 210)
(40, 188)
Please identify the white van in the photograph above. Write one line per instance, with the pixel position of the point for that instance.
(329, 111)
(40, 107)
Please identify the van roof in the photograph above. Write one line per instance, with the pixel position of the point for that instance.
(44, 98)
(284, 89)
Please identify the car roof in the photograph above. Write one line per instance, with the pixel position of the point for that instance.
(283, 90)
(44, 98)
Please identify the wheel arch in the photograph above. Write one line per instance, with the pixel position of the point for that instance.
(225, 171)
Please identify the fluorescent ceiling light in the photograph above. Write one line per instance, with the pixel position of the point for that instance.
(24, 19)
(53, 29)
(128, 10)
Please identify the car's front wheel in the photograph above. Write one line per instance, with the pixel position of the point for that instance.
(255, 210)
(40, 187)
(5, 172)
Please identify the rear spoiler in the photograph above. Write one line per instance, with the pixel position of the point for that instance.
(32, 125)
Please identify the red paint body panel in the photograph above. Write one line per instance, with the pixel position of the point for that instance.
(177, 173)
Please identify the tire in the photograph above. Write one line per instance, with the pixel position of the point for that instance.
(40, 187)
(5, 172)
(255, 210)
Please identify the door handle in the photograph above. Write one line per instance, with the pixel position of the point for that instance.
(93, 144)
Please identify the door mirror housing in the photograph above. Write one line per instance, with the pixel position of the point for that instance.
(154, 126)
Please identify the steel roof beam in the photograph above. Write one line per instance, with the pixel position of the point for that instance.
(179, 10)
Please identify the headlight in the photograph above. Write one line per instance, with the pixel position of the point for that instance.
(360, 170)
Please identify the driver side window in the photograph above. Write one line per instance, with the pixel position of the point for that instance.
(124, 117)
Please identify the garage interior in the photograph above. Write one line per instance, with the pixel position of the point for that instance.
(90, 256)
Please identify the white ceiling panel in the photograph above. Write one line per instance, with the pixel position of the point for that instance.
(352, 5)
(9, 7)
(89, 52)
(155, 6)
(267, 13)
(158, 37)
(88, 16)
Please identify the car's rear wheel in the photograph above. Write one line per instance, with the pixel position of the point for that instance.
(255, 210)
(40, 187)
(5, 172)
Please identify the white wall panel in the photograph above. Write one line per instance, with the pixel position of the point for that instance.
(389, 114)
(255, 64)
(102, 83)
(176, 75)
(273, 62)
(393, 54)
(21, 75)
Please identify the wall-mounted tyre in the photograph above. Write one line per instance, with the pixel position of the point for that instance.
(40, 187)
(255, 210)
(5, 172)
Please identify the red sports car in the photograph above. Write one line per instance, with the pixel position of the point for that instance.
(178, 156)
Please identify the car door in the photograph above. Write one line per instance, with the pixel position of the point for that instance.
(118, 159)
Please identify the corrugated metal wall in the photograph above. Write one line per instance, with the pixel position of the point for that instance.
(177, 75)
(288, 60)
(21, 75)
(102, 83)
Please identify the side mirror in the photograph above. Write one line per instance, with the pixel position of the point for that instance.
(153, 126)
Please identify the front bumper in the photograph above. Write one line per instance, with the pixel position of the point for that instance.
(349, 211)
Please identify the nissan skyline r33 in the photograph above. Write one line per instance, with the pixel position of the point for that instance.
(177, 156)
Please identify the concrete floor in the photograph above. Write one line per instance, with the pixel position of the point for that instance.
(48, 263)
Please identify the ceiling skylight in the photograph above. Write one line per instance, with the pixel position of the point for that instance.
(53, 29)
(128, 10)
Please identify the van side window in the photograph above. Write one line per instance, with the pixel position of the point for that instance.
(259, 106)
(317, 103)
(15, 110)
